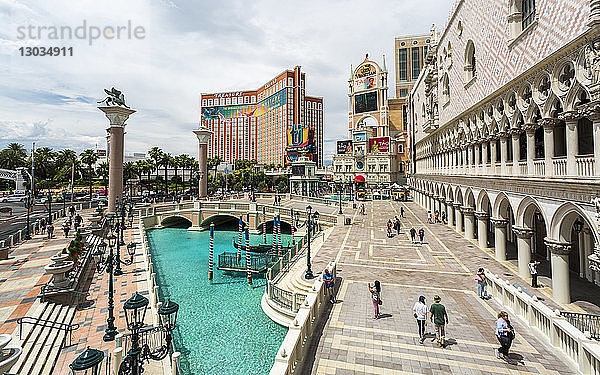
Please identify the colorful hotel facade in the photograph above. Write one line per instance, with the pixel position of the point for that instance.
(275, 124)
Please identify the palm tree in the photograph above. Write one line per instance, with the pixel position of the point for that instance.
(102, 171)
(176, 162)
(155, 154)
(44, 164)
(149, 167)
(165, 161)
(13, 156)
(89, 157)
(128, 173)
(140, 166)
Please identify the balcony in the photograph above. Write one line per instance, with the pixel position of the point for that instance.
(585, 165)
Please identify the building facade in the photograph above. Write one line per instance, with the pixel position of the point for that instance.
(370, 155)
(506, 122)
(410, 52)
(275, 124)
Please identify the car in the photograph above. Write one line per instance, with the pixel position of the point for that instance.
(13, 198)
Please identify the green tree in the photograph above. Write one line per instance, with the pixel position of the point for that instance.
(89, 158)
(13, 156)
(128, 172)
(155, 154)
(165, 162)
(102, 171)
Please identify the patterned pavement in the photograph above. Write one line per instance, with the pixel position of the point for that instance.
(352, 342)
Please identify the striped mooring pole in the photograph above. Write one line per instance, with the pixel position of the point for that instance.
(292, 215)
(210, 251)
(264, 226)
(279, 234)
(274, 247)
(241, 229)
(248, 272)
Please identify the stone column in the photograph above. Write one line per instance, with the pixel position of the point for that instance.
(500, 238)
(465, 161)
(524, 250)
(493, 155)
(477, 158)
(559, 259)
(530, 129)
(116, 116)
(484, 155)
(548, 124)
(596, 127)
(482, 218)
(459, 217)
(516, 152)
(588, 246)
(503, 154)
(470, 163)
(594, 260)
(469, 222)
(572, 142)
(203, 135)
(450, 209)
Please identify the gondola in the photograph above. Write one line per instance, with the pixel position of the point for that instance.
(262, 248)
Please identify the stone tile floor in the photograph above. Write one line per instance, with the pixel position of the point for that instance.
(352, 342)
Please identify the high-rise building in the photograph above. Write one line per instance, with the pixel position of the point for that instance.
(410, 52)
(274, 124)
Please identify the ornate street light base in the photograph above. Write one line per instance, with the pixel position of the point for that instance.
(309, 274)
(110, 332)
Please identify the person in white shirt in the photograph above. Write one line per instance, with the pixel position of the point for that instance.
(420, 310)
(533, 270)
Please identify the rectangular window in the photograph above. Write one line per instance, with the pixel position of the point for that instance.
(402, 68)
(366, 102)
(403, 93)
(415, 63)
(528, 13)
(425, 49)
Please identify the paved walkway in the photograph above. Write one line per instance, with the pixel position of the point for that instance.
(352, 342)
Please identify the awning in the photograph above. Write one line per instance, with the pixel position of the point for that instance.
(359, 178)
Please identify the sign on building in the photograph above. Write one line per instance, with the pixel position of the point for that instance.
(344, 147)
(379, 145)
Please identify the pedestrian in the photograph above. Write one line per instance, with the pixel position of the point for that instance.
(505, 333)
(389, 228)
(440, 318)
(420, 312)
(72, 210)
(77, 222)
(362, 209)
(66, 228)
(376, 297)
(397, 225)
(402, 212)
(43, 225)
(429, 220)
(421, 235)
(444, 217)
(534, 274)
(437, 216)
(50, 230)
(413, 234)
(481, 283)
(329, 285)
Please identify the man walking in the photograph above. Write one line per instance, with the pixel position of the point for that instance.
(413, 234)
(397, 225)
(402, 211)
(533, 270)
(420, 312)
(439, 319)
(421, 234)
(329, 285)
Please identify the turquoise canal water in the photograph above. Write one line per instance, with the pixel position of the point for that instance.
(221, 326)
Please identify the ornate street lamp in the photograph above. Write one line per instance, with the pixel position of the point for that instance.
(309, 217)
(121, 228)
(88, 363)
(135, 312)
(111, 331)
(578, 226)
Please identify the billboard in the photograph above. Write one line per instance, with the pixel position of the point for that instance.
(344, 147)
(227, 113)
(300, 142)
(360, 137)
(379, 145)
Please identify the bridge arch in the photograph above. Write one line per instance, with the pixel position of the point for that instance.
(176, 221)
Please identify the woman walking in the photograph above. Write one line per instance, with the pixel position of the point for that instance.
(376, 297)
(481, 284)
(420, 311)
(505, 334)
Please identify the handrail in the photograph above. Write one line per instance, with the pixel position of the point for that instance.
(47, 288)
(584, 322)
(54, 325)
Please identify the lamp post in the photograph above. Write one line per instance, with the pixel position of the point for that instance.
(88, 363)
(340, 193)
(309, 216)
(120, 209)
(28, 206)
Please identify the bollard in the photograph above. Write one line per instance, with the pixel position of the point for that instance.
(155, 295)
(152, 280)
(264, 226)
(241, 230)
(156, 316)
(175, 363)
(210, 251)
(117, 359)
(248, 272)
(119, 341)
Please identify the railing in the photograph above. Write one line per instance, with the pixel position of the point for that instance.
(46, 324)
(76, 298)
(297, 341)
(281, 297)
(559, 165)
(523, 168)
(283, 264)
(153, 336)
(258, 262)
(553, 326)
(538, 167)
(584, 322)
(585, 165)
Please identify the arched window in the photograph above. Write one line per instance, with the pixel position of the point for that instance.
(523, 146)
(528, 13)
(445, 88)
(560, 133)
(585, 141)
(470, 67)
(539, 142)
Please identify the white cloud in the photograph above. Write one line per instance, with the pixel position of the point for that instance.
(189, 48)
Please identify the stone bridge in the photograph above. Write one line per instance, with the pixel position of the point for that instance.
(201, 214)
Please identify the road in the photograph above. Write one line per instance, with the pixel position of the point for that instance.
(10, 224)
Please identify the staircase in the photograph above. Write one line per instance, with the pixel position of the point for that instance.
(42, 343)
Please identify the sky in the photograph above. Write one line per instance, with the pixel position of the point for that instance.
(170, 51)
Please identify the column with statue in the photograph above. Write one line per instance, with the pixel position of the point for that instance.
(203, 135)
